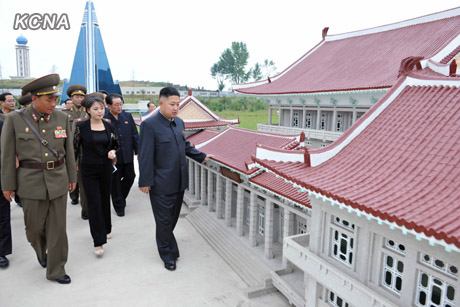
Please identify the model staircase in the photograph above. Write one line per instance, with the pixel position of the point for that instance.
(253, 271)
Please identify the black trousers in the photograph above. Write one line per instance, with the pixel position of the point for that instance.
(122, 182)
(5, 226)
(166, 210)
(97, 181)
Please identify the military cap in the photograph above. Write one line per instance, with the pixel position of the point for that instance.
(76, 89)
(25, 99)
(46, 85)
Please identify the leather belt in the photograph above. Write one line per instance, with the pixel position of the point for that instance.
(48, 165)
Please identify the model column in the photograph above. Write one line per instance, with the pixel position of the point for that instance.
(203, 186)
(240, 210)
(268, 250)
(210, 191)
(253, 219)
(288, 224)
(219, 196)
(191, 184)
(228, 202)
(197, 181)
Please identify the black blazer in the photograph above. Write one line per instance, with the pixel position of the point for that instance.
(162, 151)
(91, 153)
(127, 134)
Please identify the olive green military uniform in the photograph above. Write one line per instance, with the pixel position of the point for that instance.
(73, 114)
(42, 179)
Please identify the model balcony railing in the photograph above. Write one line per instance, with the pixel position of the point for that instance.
(323, 135)
(296, 250)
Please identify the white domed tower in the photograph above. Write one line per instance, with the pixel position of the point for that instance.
(22, 57)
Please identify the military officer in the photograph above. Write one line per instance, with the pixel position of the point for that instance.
(39, 137)
(77, 93)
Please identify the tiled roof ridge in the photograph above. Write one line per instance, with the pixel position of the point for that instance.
(450, 56)
(450, 13)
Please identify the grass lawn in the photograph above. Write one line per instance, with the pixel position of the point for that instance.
(248, 120)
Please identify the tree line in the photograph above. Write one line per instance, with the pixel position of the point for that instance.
(232, 67)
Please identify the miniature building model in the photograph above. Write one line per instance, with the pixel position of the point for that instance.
(371, 220)
(329, 88)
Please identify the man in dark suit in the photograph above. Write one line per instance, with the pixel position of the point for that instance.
(128, 137)
(5, 225)
(163, 170)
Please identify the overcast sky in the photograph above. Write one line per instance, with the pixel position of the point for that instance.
(179, 40)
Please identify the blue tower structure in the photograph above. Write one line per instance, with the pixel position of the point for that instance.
(90, 65)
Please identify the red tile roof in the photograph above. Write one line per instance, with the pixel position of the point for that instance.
(367, 59)
(280, 187)
(202, 136)
(234, 147)
(189, 125)
(404, 167)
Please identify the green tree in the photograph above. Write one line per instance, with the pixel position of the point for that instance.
(220, 78)
(232, 63)
(268, 68)
(256, 72)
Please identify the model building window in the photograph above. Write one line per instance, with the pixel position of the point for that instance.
(295, 119)
(432, 291)
(393, 245)
(439, 265)
(323, 121)
(339, 122)
(307, 120)
(392, 273)
(261, 214)
(336, 301)
(301, 227)
(342, 240)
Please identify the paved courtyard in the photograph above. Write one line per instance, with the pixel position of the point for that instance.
(130, 273)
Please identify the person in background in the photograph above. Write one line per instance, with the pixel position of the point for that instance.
(68, 104)
(150, 107)
(128, 137)
(8, 103)
(6, 245)
(96, 140)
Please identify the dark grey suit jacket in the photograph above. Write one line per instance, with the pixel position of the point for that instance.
(162, 151)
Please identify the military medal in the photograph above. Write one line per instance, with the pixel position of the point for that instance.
(60, 133)
(27, 129)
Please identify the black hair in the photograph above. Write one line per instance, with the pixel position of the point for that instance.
(103, 92)
(149, 103)
(109, 98)
(169, 91)
(90, 100)
(3, 96)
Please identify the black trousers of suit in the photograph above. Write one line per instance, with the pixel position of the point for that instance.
(97, 181)
(5, 227)
(122, 182)
(166, 210)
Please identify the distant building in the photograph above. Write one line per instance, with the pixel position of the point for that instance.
(22, 59)
(90, 65)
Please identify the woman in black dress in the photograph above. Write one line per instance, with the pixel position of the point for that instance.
(99, 143)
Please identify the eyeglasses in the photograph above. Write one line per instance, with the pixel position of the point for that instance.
(10, 100)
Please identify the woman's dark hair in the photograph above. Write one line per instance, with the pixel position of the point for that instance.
(90, 100)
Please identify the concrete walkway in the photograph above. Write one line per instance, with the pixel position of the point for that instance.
(130, 273)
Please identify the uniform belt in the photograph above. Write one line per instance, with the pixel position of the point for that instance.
(48, 165)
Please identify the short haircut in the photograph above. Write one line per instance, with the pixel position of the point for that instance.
(149, 103)
(3, 96)
(169, 91)
(90, 100)
(109, 99)
(103, 92)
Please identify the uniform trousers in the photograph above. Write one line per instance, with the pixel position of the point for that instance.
(166, 210)
(45, 222)
(97, 181)
(80, 192)
(122, 182)
(5, 226)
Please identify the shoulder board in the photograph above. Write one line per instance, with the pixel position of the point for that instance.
(80, 120)
(66, 109)
(107, 120)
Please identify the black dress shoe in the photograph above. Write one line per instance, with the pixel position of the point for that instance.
(121, 213)
(4, 262)
(74, 201)
(64, 279)
(42, 262)
(170, 265)
(84, 217)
